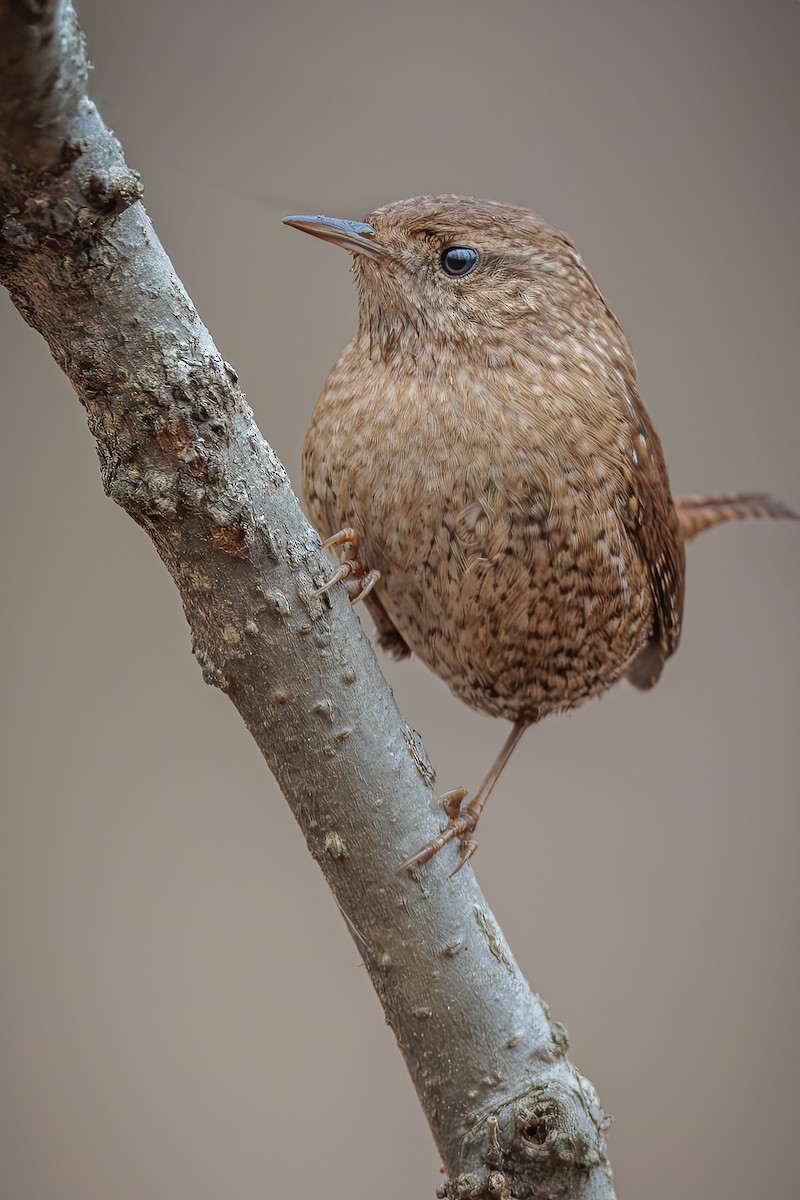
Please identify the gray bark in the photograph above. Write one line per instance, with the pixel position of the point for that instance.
(180, 451)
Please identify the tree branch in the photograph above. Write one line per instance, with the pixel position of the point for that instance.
(180, 451)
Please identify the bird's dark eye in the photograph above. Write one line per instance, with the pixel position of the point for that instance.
(458, 260)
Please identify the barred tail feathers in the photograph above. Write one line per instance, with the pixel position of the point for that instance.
(698, 513)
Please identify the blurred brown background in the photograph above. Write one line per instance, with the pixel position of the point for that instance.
(183, 1015)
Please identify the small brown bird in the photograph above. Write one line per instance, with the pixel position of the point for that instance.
(481, 452)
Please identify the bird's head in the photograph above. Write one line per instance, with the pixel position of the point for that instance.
(449, 270)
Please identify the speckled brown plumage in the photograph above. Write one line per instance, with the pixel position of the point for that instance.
(484, 437)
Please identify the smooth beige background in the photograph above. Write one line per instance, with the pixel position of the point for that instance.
(183, 1015)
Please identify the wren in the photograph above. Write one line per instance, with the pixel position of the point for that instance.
(481, 452)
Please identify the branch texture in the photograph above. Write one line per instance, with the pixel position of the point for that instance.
(180, 451)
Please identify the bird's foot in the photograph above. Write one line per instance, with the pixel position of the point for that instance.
(351, 569)
(461, 825)
(463, 820)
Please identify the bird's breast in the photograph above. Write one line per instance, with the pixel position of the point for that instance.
(505, 563)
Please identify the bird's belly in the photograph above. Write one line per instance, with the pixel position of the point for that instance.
(536, 629)
(521, 595)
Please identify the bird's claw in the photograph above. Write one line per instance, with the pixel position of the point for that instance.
(369, 581)
(451, 801)
(468, 848)
(345, 537)
(351, 568)
(460, 825)
(345, 570)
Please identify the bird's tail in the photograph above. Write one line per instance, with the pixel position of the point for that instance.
(696, 513)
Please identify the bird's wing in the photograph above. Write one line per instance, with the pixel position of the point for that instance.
(652, 523)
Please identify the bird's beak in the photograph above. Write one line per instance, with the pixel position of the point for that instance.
(354, 236)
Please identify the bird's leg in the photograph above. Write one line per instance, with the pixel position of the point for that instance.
(351, 568)
(463, 821)
(389, 637)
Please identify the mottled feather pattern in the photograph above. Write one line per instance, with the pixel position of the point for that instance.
(482, 447)
(485, 437)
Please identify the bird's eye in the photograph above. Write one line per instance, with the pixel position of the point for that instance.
(458, 260)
